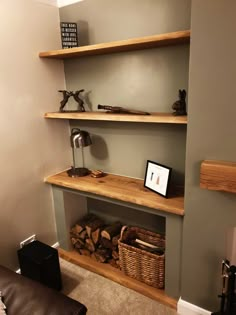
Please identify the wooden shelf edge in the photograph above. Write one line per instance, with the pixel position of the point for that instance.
(122, 188)
(218, 175)
(116, 275)
(152, 118)
(152, 41)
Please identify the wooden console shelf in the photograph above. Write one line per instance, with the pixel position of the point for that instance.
(122, 188)
(218, 175)
(167, 118)
(116, 275)
(153, 41)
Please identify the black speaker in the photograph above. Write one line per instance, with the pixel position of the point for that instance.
(40, 262)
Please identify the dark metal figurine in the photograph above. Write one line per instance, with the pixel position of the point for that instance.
(121, 110)
(80, 102)
(67, 95)
(180, 105)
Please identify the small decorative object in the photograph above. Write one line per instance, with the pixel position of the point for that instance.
(67, 95)
(79, 100)
(121, 110)
(79, 139)
(157, 178)
(97, 173)
(69, 36)
(180, 105)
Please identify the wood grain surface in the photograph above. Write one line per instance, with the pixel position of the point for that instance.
(173, 38)
(218, 175)
(167, 118)
(122, 188)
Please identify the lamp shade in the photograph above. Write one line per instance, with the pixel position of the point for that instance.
(79, 138)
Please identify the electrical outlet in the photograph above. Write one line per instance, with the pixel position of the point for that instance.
(28, 240)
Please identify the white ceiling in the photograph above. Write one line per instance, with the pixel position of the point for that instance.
(58, 3)
(63, 3)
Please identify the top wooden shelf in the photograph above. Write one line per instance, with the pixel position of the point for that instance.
(167, 118)
(146, 42)
(122, 188)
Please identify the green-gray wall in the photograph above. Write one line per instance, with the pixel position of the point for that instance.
(211, 135)
(145, 80)
(149, 80)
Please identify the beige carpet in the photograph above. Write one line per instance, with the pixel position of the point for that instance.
(105, 297)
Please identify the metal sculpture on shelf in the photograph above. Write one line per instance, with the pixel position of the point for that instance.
(180, 105)
(121, 110)
(79, 100)
(67, 95)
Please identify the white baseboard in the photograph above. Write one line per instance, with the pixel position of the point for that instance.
(185, 308)
(56, 245)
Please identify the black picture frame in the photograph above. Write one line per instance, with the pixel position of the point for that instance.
(157, 178)
(69, 36)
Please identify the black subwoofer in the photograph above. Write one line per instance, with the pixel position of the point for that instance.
(40, 262)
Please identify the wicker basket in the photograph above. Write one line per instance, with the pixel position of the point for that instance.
(139, 263)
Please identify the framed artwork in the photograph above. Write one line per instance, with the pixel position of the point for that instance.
(157, 178)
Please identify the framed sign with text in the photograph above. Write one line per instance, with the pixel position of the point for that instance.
(69, 37)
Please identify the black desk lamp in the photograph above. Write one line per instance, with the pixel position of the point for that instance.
(79, 139)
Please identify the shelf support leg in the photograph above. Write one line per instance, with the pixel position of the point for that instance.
(69, 207)
(174, 226)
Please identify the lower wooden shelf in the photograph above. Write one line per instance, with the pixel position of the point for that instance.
(116, 275)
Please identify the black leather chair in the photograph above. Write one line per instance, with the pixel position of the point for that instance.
(23, 296)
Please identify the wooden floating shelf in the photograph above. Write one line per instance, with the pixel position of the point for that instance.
(146, 42)
(122, 188)
(165, 118)
(218, 175)
(116, 275)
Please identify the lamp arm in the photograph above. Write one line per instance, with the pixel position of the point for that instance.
(74, 138)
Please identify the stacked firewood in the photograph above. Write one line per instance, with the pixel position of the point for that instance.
(91, 236)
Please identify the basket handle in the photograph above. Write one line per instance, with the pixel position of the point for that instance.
(122, 232)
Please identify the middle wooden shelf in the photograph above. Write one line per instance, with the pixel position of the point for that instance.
(165, 118)
(126, 189)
